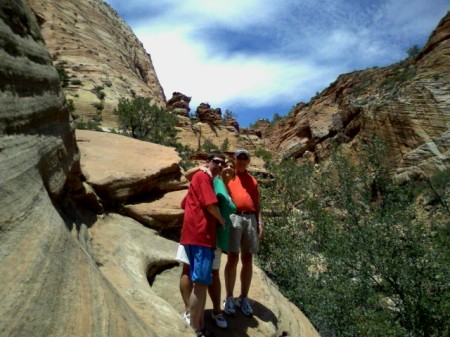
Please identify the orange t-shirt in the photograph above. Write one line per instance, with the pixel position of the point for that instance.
(244, 192)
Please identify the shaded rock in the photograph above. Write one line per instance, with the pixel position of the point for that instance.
(120, 168)
(159, 214)
(131, 256)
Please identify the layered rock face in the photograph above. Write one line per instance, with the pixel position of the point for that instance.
(407, 105)
(99, 52)
(50, 286)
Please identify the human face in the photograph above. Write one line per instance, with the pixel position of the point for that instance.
(242, 162)
(228, 171)
(215, 165)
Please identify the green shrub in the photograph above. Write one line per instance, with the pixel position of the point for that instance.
(140, 120)
(228, 114)
(91, 124)
(225, 146)
(348, 248)
(63, 76)
(209, 146)
(70, 105)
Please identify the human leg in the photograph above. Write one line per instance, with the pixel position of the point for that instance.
(214, 289)
(230, 281)
(249, 247)
(246, 273)
(185, 281)
(185, 286)
(201, 262)
(197, 305)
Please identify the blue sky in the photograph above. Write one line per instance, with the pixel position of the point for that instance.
(261, 57)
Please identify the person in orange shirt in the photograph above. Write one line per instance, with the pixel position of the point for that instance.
(245, 232)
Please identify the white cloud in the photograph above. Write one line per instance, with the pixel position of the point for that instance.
(315, 42)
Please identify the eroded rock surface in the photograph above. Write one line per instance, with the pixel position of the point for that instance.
(406, 104)
(50, 286)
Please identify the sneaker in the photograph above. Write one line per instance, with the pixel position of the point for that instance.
(245, 306)
(220, 320)
(187, 317)
(229, 306)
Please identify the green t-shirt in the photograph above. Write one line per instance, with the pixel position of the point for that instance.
(226, 207)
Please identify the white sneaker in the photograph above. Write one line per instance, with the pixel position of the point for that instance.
(187, 317)
(229, 306)
(220, 320)
(245, 306)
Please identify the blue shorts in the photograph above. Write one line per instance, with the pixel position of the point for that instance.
(200, 261)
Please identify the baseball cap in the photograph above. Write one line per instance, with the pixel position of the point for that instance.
(241, 151)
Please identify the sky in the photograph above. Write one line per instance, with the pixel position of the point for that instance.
(258, 58)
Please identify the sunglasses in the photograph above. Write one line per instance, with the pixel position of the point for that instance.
(218, 162)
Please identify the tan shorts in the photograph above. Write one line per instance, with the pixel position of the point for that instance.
(182, 257)
(243, 234)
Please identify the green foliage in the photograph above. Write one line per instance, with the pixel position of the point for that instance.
(225, 146)
(228, 114)
(70, 105)
(140, 120)
(63, 76)
(276, 117)
(185, 153)
(402, 73)
(264, 154)
(348, 248)
(108, 83)
(90, 124)
(75, 81)
(209, 146)
(413, 51)
(99, 106)
(98, 91)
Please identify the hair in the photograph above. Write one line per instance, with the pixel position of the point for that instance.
(230, 162)
(213, 154)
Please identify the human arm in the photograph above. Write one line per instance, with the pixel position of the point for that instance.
(214, 210)
(190, 173)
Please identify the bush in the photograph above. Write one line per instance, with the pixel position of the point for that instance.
(348, 248)
(63, 76)
(91, 124)
(140, 120)
(209, 146)
(228, 114)
(225, 146)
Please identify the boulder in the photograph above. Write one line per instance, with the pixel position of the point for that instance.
(120, 168)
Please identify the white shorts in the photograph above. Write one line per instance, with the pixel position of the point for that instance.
(182, 257)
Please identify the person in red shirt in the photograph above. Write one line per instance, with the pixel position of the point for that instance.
(198, 235)
(245, 232)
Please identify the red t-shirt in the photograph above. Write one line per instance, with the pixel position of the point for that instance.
(244, 192)
(199, 225)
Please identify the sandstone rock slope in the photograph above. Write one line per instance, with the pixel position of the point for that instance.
(407, 104)
(97, 49)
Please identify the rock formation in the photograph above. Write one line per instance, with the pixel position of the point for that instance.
(99, 53)
(50, 285)
(406, 104)
(179, 104)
